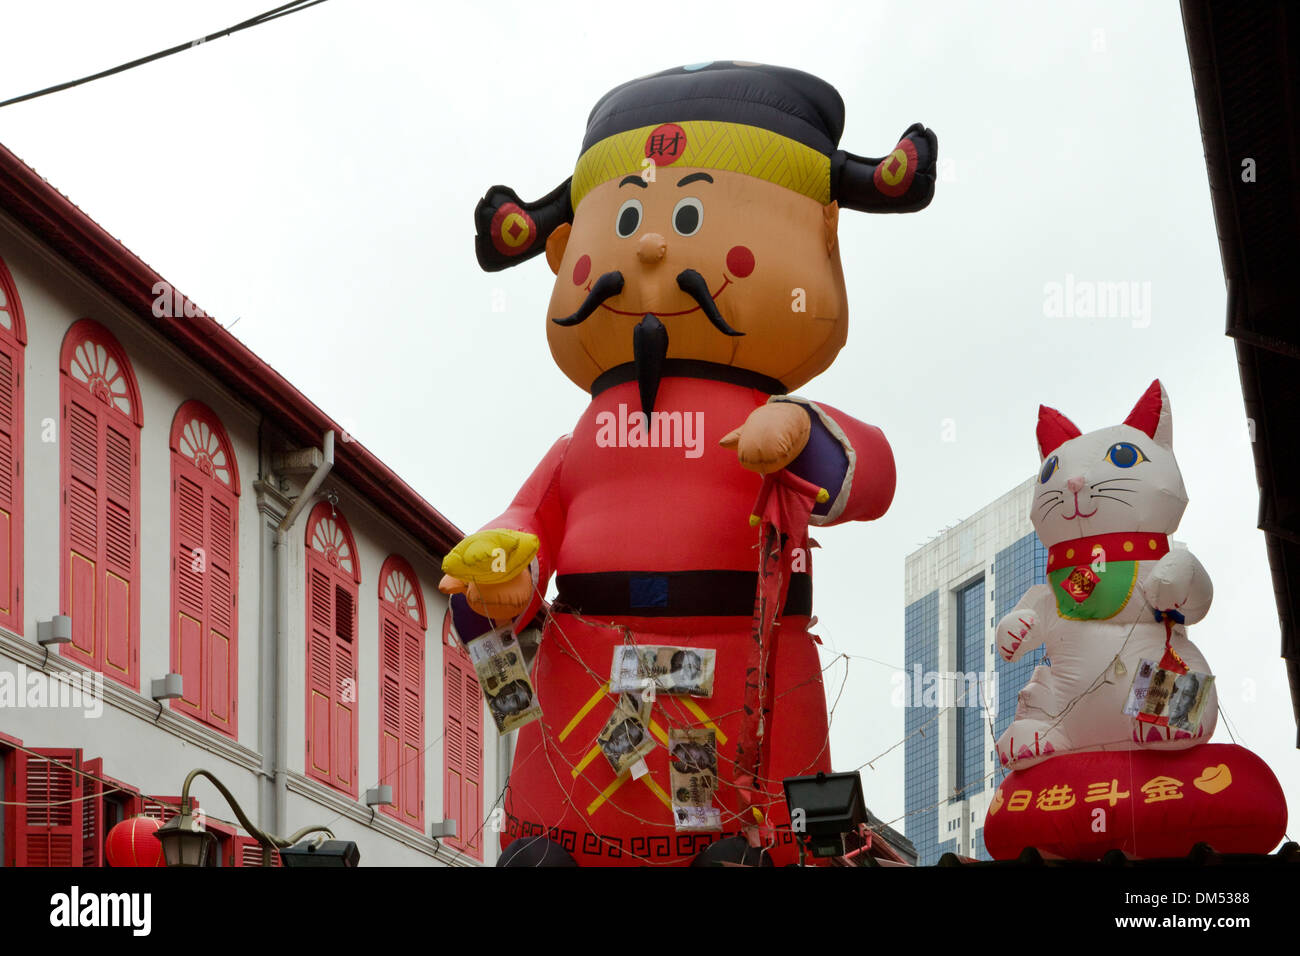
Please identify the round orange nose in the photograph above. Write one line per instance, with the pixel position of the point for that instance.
(651, 248)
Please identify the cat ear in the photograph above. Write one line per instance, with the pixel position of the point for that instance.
(1152, 416)
(1054, 430)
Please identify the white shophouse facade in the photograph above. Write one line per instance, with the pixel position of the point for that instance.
(146, 465)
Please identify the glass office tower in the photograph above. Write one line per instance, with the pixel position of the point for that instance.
(958, 693)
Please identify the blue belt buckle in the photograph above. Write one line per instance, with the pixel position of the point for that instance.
(648, 591)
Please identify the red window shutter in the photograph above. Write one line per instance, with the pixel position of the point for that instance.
(81, 524)
(332, 581)
(412, 805)
(119, 552)
(99, 584)
(248, 852)
(50, 831)
(11, 483)
(472, 803)
(205, 567)
(15, 768)
(345, 700)
(320, 672)
(13, 338)
(188, 586)
(454, 742)
(402, 624)
(402, 716)
(92, 814)
(222, 647)
(391, 771)
(161, 808)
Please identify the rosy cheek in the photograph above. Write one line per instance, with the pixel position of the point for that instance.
(581, 269)
(740, 261)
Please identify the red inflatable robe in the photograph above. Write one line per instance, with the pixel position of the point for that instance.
(624, 528)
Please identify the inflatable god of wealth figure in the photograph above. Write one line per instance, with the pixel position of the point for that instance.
(698, 284)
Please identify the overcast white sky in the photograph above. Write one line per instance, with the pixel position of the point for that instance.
(316, 179)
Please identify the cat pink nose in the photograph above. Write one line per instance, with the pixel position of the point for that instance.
(1075, 485)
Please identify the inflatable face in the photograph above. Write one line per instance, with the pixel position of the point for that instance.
(1121, 478)
(704, 210)
(766, 259)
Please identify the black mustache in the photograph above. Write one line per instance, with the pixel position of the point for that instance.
(693, 284)
(606, 287)
(611, 284)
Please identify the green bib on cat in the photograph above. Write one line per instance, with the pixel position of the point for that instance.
(1106, 593)
(1086, 580)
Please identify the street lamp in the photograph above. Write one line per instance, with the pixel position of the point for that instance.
(186, 843)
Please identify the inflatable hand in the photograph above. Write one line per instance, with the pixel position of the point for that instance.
(1169, 584)
(773, 436)
(497, 602)
(486, 567)
(1016, 634)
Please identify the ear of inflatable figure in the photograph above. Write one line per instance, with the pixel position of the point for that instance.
(1152, 415)
(1054, 430)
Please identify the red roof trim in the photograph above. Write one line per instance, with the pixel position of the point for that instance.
(57, 222)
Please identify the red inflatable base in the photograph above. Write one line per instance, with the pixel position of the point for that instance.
(1146, 803)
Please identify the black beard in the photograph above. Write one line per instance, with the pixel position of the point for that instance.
(649, 349)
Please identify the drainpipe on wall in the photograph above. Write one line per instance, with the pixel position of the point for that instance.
(282, 632)
(505, 758)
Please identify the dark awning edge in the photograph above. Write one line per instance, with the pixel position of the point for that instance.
(1243, 60)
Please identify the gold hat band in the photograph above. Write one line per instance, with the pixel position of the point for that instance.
(731, 147)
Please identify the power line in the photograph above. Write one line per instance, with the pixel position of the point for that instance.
(273, 14)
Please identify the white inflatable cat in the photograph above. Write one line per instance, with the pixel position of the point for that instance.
(1104, 505)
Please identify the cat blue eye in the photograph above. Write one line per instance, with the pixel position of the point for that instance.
(1122, 454)
(1049, 469)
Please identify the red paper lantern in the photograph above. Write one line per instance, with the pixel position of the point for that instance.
(132, 843)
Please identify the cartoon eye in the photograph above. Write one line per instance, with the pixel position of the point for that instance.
(1124, 455)
(1049, 469)
(688, 216)
(629, 218)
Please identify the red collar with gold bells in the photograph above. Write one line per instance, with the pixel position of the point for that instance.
(1119, 546)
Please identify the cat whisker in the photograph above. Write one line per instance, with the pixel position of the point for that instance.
(1131, 491)
(1113, 478)
(1056, 504)
(1046, 493)
(1120, 500)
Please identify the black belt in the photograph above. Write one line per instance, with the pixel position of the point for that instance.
(673, 594)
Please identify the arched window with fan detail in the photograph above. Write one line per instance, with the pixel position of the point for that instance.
(402, 626)
(99, 442)
(333, 582)
(205, 568)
